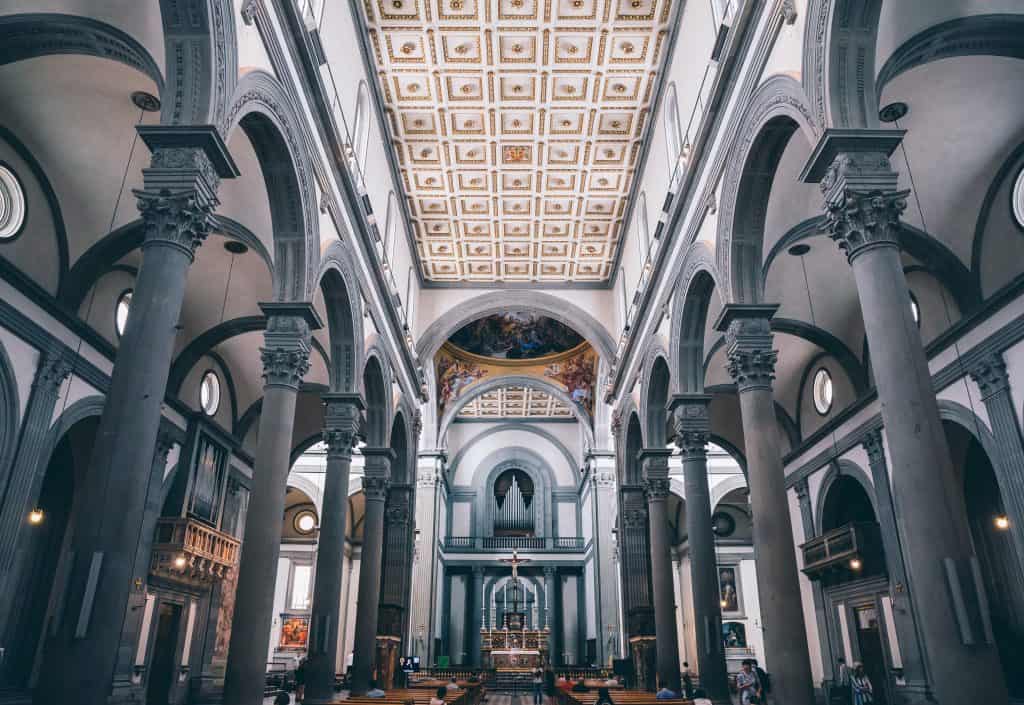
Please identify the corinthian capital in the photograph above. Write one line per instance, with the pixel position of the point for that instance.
(178, 219)
(285, 354)
(748, 344)
(53, 369)
(657, 488)
(873, 446)
(861, 220)
(341, 422)
(691, 421)
(989, 373)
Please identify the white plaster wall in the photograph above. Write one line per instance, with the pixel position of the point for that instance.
(587, 515)
(350, 618)
(280, 594)
(471, 462)
(457, 630)
(24, 361)
(72, 389)
(787, 54)
(590, 600)
(752, 609)
(251, 52)
(461, 512)
(965, 392)
(806, 589)
(570, 619)
(567, 519)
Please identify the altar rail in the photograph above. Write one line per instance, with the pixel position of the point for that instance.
(520, 543)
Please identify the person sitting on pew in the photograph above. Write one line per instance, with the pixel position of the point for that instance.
(603, 697)
(374, 691)
(438, 698)
(563, 685)
(580, 687)
(666, 693)
(452, 685)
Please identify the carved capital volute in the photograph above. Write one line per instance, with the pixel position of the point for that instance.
(748, 344)
(375, 489)
(989, 373)
(285, 354)
(179, 219)
(397, 515)
(549, 572)
(872, 443)
(634, 519)
(657, 489)
(341, 423)
(378, 461)
(54, 368)
(691, 421)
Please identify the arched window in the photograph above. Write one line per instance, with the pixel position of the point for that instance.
(121, 311)
(643, 231)
(361, 124)
(390, 228)
(673, 129)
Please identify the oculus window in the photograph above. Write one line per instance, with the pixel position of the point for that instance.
(304, 522)
(209, 393)
(12, 204)
(1018, 199)
(822, 391)
(121, 311)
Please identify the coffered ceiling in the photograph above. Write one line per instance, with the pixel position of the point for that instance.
(518, 126)
(515, 402)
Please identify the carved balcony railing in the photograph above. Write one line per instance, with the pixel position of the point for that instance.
(188, 550)
(519, 543)
(851, 550)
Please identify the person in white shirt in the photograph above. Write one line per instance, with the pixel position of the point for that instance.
(452, 685)
(438, 698)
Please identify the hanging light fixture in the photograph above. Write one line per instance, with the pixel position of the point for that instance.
(36, 516)
(1002, 522)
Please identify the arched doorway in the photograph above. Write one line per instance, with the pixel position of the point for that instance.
(44, 540)
(993, 545)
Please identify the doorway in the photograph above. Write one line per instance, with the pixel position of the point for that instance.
(161, 670)
(872, 653)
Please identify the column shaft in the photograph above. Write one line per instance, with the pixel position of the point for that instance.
(752, 366)
(693, 427)
(375, 488)
(550, 604)
(475, 601)
(175, 205)
(285, 361)
(655, 468)
(341, 425)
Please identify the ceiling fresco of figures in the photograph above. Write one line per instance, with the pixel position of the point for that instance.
(516, 336)
(518, 126)
(515, 402)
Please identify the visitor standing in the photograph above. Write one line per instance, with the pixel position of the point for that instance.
(538, 684)
(300, 680)
(747, 684)
(863, 693)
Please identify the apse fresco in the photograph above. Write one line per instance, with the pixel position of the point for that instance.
(516, 335)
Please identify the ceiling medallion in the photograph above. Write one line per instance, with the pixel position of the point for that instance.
(517, 154)
(397, 4)
(461, 48)
(466, 88)
(517, 48)
(627, 48)
(577, 3)
(413, 87)
(408, 48)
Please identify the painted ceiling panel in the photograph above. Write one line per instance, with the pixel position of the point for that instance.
(517, 126)
(515, 402)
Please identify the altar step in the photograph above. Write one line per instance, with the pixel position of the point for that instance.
(509, 681)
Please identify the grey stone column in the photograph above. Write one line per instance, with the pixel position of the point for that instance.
(654, 462)
(692, 424)
(752, 366)
(125, 688)
(863, 207)
(828, 660)
(551, 612)
(176, 202)
(423, 600)
(341, 424)
(994, 382)
(375, 489)
(22, 492)
(285, 361)
(395, 561)
(916, 688)
(475, 600)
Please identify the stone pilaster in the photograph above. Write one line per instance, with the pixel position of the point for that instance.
(994, 382)
(862, 208)
(828, 659)
(657, 488)
(285, 357)
(176, 201)
(429, 486)
(341, 425)
(916, 684)
(604, 511)
(551, 621)
(691, 421)
(635, 555)
(475, 602)
(751, 363)
(375, 489)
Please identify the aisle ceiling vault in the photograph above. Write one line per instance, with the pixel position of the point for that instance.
(518, 127)
(515, 402)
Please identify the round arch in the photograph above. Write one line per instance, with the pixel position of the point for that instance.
(774, 114)
(10, 412)
(723, 488)
(400, 439)
(501, 301)
(655, 384)
(536, 383)
(376, 384)
(531, 463)
(263, 110)
(338, 284)
(697, 285)
(837, 470)
(453, 465)
(308, 488)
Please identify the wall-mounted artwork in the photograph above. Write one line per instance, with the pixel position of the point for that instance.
(727, 585)
(516, 336)
(734, 635)
(578, 374)
(294, 632)
(453, 375)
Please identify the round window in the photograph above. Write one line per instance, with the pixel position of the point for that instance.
(304, 522)
(121, 310)
(822, 391)
(209, 393)
(12, 204)
(915, 309)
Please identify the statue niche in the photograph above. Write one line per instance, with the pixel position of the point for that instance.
(513, 504)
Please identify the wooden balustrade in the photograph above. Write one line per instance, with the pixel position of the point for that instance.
(186, 549)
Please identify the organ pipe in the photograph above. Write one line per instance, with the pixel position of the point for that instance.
(513, 514)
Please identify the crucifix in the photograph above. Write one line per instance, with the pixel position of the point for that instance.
(514, 619)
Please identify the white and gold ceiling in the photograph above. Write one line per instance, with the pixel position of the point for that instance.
(515, 402)
(518, 126)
